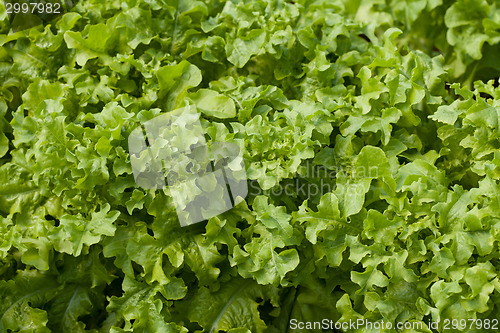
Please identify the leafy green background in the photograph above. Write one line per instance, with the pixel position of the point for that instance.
(406, 87)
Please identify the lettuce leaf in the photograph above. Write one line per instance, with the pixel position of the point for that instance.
(369, 133)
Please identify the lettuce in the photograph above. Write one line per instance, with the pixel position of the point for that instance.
(369, 131)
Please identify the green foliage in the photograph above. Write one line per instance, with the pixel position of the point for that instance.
(370, 134)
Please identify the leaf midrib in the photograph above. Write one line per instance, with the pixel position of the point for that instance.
(226, 306)
(23, 298)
